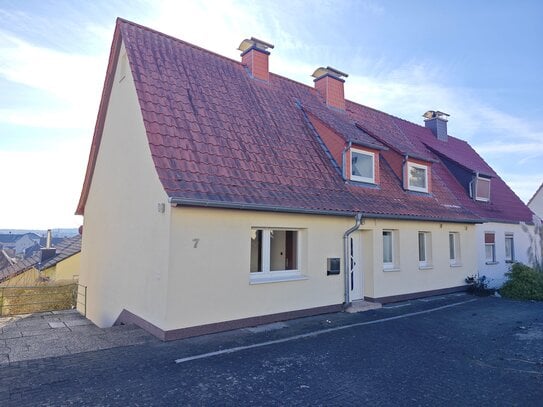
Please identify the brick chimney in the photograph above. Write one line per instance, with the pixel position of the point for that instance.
(437, 122)
(254, 55)
(329, 83)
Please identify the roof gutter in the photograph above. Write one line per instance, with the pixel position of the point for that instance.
(254, 207)
(346, 271)
(178, 201)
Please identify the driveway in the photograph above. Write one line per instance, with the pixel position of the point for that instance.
(451, 350)
(58, 333)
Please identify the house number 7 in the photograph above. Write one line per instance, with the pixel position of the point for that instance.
(196, 241)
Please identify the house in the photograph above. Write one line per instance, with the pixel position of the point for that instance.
(18, 242)
(536, 202)
(219, 195)
(49, 264)
(501, 240)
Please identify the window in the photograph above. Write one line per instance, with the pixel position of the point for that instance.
(417, 177)
(362, 166)
(390, 256)
(425, 249)
(509, 248)
(490, 248)
(454, 248)
(482, 189)
(274, 254)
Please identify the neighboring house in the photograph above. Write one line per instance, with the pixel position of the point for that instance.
(220, 195)
(536, 202)
(54, 264)
(500, 239)
(18, 242)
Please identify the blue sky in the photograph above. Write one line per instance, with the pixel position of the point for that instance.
(481, 62)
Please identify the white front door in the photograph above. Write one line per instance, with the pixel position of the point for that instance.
(356, 279)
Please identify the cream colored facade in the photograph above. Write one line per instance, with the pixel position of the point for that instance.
(183, 267)
(125, 245)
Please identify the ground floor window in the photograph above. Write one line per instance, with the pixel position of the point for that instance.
(490, 247)
(425, 249)
(274, 252)
(509, 248)
(454, 248)
(390, 256)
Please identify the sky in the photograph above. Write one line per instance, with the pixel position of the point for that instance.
(479, 61)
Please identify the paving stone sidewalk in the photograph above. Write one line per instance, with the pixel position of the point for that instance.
(58, 333)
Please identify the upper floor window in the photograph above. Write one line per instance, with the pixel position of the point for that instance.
(482, 189)
(362, 166)
(417, 177)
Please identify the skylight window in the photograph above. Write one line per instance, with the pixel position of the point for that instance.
(362, 166)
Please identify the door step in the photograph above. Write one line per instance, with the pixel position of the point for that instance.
(361, 306)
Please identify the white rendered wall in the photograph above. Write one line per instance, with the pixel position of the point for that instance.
(496, 272)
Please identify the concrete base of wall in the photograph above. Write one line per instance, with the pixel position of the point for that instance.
(127, 317)
(412, 296)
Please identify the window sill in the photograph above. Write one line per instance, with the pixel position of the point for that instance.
(428, 267)
(456, 264)
(392, 269)
(275, 278)
(492, 263)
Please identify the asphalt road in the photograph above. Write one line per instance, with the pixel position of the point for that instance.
(484, 352)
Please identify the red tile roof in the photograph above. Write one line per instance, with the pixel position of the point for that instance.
(221, 138)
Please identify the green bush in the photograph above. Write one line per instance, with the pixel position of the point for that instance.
(524, 283)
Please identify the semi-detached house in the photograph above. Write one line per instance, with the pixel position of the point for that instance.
(221, 195)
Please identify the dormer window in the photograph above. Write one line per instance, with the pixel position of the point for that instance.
(362, 166)
(482, 189)
(417, 177)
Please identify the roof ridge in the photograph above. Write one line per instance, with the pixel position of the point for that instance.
(396, 117)
(171, 37)
(279, 76)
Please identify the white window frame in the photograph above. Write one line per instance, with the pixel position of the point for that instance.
(455, 261)
(414, 187)
(510, 259)
(393, 265)
(427, 239)
(482, 198)
(493, 248)
(268, 276)
(358, 177)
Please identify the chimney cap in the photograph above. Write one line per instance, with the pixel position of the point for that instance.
(432, 114)
(247, 43)
(322, 71)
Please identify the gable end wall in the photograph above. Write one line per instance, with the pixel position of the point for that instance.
(124, 252)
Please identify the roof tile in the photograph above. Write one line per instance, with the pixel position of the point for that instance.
(218, 135)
